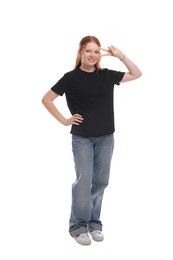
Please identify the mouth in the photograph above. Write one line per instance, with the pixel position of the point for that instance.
(92, 60)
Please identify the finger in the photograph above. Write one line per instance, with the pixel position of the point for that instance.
(77, 115)
(105, 54)
(77, 119)
(77, 122)
(103, 49)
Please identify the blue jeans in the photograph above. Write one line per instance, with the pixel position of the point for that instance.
(92, 158)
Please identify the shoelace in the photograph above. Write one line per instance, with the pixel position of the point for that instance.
(82, 235)
(97, 232)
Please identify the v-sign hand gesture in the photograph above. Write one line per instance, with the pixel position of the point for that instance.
(112, 51)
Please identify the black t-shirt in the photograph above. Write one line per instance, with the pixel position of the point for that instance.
(90, 94)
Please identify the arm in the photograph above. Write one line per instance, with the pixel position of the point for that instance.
(47, 101)
(133, 71)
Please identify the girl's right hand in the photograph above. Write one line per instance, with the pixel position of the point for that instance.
(76, 119)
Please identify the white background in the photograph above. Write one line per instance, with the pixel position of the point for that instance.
(39, 42)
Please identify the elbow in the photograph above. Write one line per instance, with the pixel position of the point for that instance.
(44, 101)
(138, 75)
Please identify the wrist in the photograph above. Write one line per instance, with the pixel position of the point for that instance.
(122, 57)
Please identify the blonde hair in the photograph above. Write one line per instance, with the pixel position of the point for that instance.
(84, 41)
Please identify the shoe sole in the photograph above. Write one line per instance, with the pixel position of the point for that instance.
(83, 243)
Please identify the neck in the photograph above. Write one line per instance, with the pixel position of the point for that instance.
(87, 69)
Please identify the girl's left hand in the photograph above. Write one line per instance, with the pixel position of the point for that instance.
(112, 51)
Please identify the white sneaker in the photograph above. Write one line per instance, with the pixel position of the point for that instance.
(83, 239)
(97, 235)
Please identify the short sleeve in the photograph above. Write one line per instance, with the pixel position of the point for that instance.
(116, 76)
(62, 85)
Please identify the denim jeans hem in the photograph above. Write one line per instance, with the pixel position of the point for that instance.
(94, 226)
(78, 231)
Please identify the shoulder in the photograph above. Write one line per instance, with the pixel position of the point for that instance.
(70, 75)
(114, 73)
(71, 72)
(114, 76)
(106, 70)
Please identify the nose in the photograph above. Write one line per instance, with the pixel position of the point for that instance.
(92, 54)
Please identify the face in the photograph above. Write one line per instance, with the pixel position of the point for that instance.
(90, 55)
